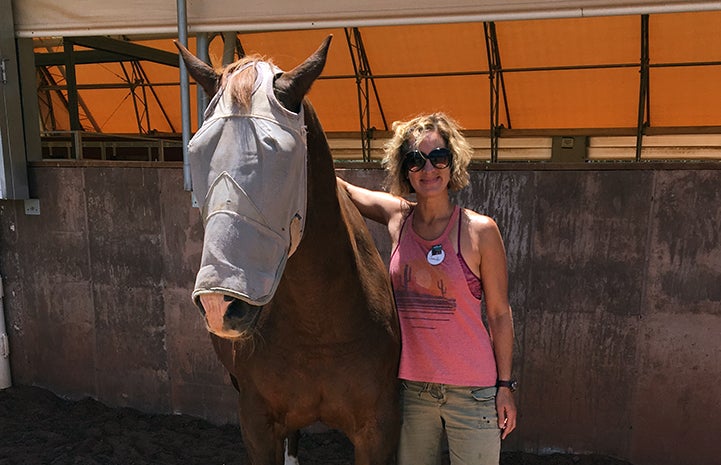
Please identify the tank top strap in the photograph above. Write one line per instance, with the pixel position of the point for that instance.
(400, 233)
(405, 221)
(458, 240)
(452, 221)
(474, 282)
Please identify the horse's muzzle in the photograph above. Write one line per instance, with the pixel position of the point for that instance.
(228, 317)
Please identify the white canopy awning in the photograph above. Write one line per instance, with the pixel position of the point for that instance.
(44, 18)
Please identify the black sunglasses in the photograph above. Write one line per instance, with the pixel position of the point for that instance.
(415, 159)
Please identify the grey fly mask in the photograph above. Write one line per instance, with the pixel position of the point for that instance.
(249, 173)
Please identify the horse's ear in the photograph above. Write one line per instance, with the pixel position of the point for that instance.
(291, 87)
(203, 73)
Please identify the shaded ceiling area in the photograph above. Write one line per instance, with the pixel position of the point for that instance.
(597, 75)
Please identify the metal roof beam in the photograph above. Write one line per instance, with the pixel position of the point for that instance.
(82, 57)
(128, 51)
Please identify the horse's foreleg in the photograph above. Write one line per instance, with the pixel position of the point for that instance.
(376, 441)
(263, 447)
(372, 419)
(264, 440)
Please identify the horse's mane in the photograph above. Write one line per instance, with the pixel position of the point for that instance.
(241, 84)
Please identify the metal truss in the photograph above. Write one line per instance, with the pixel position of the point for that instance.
(364, 83)
(497, 87)
(138, 85)
(102, 50)
(48, 88)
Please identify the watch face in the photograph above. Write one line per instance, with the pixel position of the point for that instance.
(514, 385)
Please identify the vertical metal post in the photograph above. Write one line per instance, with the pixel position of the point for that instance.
(78, 142)
(29, 97)
(184, 94)
(73, 107)
(13, 150)
(497, 87)
(361, 88)
(493, 89)
(201, 51)
(643, 94)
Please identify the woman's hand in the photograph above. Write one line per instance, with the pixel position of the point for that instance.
(506, 408)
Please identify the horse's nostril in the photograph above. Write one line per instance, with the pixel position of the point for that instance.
(236, 310)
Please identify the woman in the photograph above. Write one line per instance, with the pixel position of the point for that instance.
(456, 376)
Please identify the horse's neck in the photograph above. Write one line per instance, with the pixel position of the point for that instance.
(324, 214)
(324, 224)
(321, 173)
(321, 260)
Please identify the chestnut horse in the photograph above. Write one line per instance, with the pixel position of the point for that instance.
(294, 292)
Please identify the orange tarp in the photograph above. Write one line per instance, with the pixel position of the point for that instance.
(558, 74)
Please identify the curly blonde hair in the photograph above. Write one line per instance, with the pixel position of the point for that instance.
(408, 134)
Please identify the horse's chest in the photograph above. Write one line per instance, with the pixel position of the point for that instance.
(302, 371)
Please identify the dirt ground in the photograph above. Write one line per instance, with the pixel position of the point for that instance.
(38, 428)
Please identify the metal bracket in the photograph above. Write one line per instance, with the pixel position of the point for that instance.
(32, 206)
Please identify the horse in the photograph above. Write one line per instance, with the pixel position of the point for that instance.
(294, 293)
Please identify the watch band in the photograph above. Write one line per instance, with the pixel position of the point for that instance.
(511, 384)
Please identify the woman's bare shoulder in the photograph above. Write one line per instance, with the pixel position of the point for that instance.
(479, 223)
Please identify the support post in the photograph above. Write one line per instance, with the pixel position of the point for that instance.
(643, 94)
(184, 94)
(13, 150)
(495, 76)
(201, 51)
(72, 84)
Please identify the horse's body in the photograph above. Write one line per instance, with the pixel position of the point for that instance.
(326, 346)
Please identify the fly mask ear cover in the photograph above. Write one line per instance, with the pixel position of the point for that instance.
(250, 168)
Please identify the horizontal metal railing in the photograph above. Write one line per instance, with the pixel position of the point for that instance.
(81, 145)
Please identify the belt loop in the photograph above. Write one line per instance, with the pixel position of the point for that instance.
(424, 388)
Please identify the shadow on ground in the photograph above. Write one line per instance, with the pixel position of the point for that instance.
(39, 428)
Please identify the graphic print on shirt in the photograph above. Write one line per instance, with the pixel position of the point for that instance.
(421, 297)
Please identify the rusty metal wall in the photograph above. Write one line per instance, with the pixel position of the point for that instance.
(615, 282)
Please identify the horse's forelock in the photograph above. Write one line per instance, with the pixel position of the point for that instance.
(241, 84)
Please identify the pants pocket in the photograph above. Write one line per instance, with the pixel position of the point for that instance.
(484, 394)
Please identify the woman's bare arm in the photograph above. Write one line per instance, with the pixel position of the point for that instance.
(375, 205)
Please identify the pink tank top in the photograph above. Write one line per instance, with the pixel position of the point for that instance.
(443, 336)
